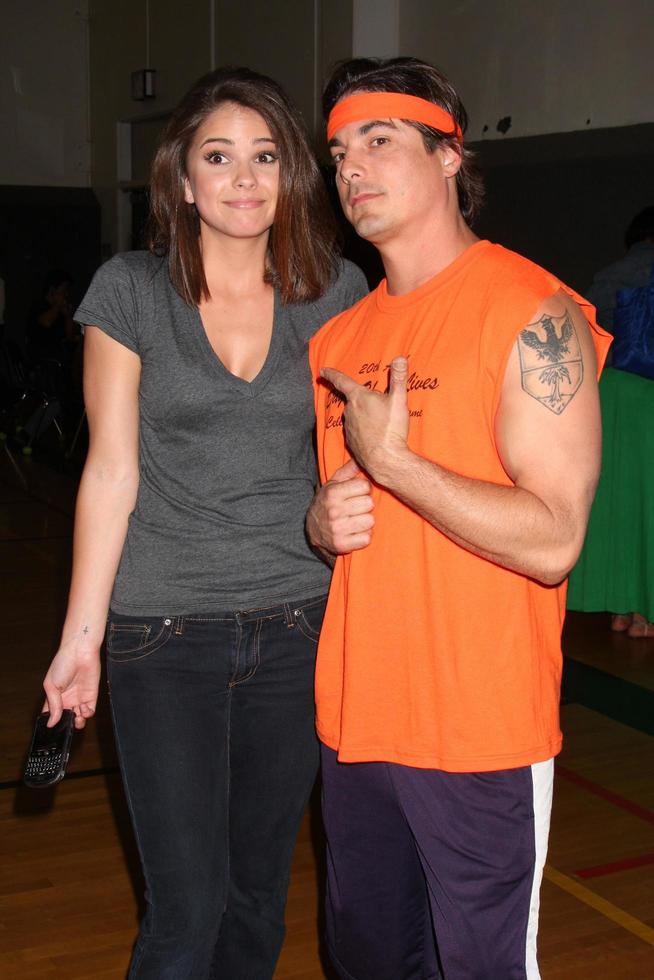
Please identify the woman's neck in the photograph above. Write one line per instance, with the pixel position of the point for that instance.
(234, 265)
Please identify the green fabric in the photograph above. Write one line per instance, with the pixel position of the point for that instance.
(615, 571)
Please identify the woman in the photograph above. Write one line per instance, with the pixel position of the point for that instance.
(199, 473)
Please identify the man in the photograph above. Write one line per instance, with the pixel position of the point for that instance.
(456, 503)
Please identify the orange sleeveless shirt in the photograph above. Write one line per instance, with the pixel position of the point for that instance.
(430, 656)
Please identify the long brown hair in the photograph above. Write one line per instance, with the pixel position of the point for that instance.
(413, 77)
(302, 249)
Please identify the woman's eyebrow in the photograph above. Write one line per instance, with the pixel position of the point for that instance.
(227, 142)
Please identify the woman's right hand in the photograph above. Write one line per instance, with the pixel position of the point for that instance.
(106, 497)
(72, 682)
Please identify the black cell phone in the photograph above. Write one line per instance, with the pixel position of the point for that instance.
(49, 751)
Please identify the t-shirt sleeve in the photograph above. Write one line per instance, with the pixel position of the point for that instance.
(347, 289)
(111, 303)
(313, 354)
(353, 284)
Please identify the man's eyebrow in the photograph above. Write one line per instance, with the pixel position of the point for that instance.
(386, 123)
(363, 130)
(226, 142)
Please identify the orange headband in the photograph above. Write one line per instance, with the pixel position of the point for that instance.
(390, 105)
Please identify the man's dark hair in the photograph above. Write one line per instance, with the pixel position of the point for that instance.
(641, 227)
(413, 77)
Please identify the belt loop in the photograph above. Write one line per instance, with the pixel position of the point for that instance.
(289, 619)
(178, 625)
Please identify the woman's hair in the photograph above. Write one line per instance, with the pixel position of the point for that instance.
(302, 249)
(413, 77)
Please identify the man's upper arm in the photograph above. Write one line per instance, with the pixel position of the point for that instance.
(548, 425)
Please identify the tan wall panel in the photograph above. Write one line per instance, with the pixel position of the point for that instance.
(180, 46)
(179, 52)
(554, 67)
(275, 38)
(336, 22)
(43, 93)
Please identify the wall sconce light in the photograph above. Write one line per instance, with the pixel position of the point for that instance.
(143, 84)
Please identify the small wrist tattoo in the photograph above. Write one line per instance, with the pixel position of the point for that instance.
(85, 629)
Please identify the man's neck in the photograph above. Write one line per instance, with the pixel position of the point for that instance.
(410, 263)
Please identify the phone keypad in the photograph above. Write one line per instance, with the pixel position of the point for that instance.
(43, 764)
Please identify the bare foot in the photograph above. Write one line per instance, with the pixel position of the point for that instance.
(621, 622)
(640, 628)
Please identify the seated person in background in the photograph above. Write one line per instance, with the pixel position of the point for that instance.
(54, 343)
(51, 331)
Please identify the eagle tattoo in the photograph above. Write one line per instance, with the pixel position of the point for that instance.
(551, 364)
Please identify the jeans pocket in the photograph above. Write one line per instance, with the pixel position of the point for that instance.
(136, 637)
(308, 617)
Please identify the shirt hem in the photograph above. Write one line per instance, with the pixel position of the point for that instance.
(175, 608)
(447, 763)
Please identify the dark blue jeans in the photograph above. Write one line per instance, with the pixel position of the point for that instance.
(214, 723)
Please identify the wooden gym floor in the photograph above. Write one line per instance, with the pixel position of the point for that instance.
(69, 879)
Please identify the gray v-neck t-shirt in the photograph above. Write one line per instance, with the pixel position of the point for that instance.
(227, 467)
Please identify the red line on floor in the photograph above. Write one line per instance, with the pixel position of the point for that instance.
(605, 794)
(608, 869)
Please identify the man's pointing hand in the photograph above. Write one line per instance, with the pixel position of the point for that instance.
(376, 424)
